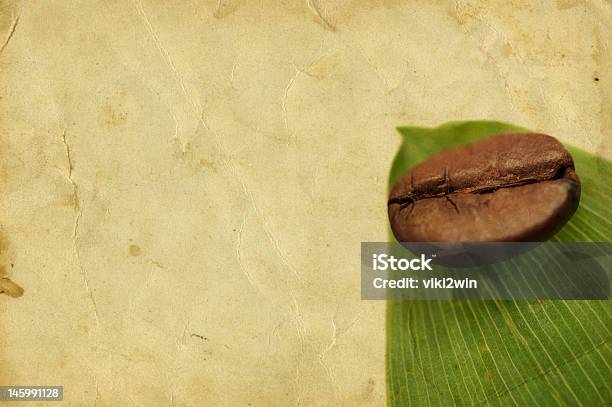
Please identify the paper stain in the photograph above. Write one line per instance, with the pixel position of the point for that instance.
(135, 250)
(7, 286)
(567, 4)
(9, 31)
(506, 50)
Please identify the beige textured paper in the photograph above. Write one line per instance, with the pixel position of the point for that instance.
(185, 185)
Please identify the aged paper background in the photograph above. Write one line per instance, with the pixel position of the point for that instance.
(185, 185)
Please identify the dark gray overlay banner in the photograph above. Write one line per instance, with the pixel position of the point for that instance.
(486, 271)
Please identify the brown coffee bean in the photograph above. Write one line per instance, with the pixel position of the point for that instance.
(509, 187)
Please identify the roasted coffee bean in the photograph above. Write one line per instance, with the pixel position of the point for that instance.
(509, 187)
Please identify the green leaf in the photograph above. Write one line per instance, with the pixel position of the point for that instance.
(503, 352)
